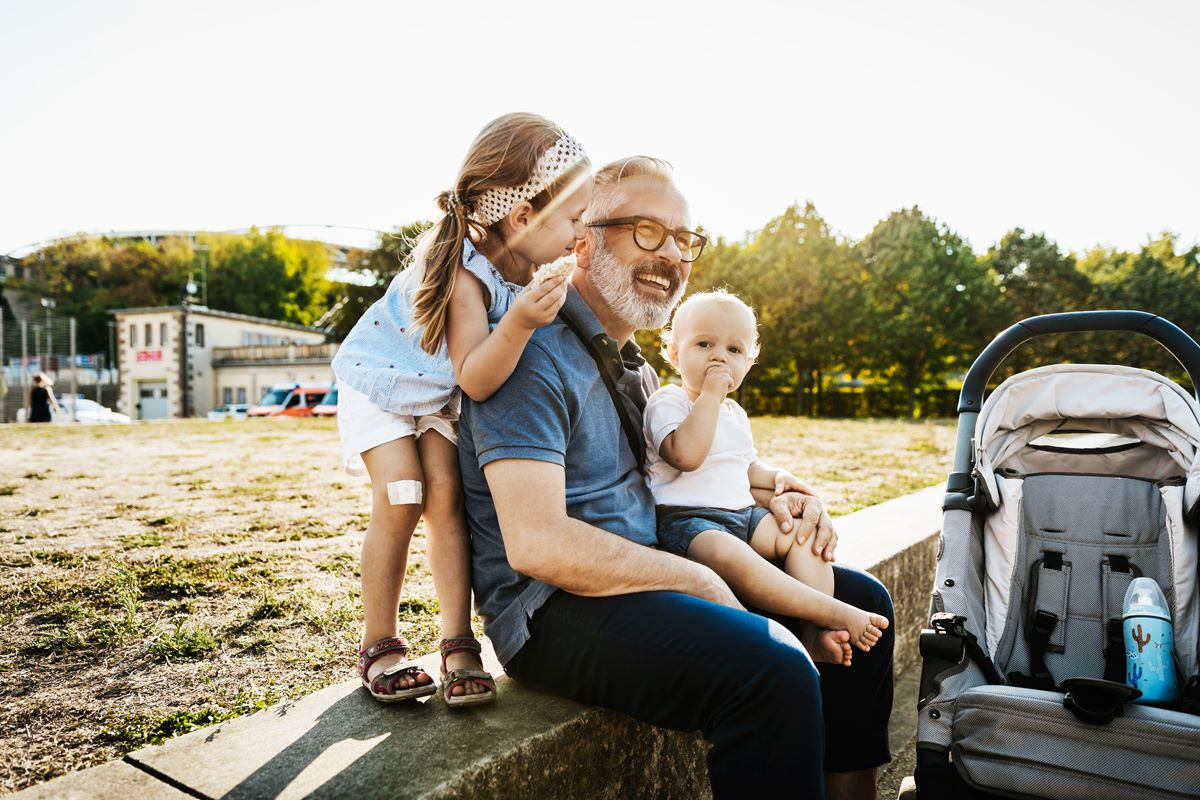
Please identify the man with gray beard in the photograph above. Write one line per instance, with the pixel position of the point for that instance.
(574, 595)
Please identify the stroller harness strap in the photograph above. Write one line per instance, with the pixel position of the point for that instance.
(1049, 584)
(1116, 573)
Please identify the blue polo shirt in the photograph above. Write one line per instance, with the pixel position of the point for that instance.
(555, 408)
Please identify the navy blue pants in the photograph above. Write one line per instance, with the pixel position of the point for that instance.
(775, 721)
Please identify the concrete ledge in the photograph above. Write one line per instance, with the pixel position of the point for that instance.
(114, 779)
(338, 742)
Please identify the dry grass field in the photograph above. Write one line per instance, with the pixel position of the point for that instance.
(161, 577)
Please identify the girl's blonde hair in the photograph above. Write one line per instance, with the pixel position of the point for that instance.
(503, 155)
(721, 296)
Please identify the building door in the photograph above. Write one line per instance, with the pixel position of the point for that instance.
(152, 400)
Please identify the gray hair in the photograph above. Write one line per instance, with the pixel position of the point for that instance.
(605, 193)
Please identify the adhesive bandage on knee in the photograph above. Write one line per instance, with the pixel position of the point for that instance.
(405, 493)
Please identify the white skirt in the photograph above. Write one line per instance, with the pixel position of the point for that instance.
(363, 425)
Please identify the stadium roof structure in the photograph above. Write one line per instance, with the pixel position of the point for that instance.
(341, 239)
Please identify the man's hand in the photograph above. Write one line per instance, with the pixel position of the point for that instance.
(718, 380)
(807, 513)
(537, 304)
(787, 482)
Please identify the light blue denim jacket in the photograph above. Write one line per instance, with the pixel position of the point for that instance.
(382, 356)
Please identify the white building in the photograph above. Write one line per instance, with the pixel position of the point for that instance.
(230, 358)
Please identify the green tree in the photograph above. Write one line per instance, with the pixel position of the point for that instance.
(265, 274)
(1034, 277)
(806, 283)
(374, 270)
(88, 276)
(1161, 278)
(928, 304)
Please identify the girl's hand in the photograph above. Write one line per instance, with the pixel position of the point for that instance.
(537, 305)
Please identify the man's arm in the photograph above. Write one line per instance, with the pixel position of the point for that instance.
(541, 541)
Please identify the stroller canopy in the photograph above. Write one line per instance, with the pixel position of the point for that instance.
(1128, 403)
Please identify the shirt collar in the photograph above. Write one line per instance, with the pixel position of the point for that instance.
(581, 314)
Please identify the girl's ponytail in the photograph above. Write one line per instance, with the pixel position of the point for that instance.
(431, 301)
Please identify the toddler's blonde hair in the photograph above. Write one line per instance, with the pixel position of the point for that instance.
(721, 296)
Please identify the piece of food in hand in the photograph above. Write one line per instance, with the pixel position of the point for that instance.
(560, 266)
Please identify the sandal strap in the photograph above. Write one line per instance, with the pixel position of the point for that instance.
(467, 643)
(372, 652)
(458, 676)
(385, 682)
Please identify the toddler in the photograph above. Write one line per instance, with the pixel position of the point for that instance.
(701, 466)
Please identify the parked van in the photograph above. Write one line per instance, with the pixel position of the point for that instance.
(328, 406)
(290, 400)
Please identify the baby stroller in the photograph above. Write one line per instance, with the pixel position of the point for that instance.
(1069, 482)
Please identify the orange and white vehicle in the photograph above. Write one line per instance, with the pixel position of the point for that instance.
(328, 406)
(290, 399)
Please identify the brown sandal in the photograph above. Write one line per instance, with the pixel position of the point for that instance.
(383, 687)
(458, 677)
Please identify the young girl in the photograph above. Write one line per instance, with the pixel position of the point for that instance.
(460, 316)
(702, 464)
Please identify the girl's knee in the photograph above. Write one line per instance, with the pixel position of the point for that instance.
(443, 503)
(398, 518)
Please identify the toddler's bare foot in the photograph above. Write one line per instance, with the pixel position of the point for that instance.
(824, 645)
(865, 629)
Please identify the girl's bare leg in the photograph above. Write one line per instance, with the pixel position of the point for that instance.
(385, 548)
(449, 544)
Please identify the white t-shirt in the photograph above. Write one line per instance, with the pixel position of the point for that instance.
(723, 480)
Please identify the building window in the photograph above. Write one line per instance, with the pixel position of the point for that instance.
(241, 394)
(227, 395)
(199, 335)
(133, 335)
(149, 337)
(162, 334)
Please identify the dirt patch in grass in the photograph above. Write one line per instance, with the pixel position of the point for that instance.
(198, 571)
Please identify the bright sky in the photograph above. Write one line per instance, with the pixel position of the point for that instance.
(1079, 119)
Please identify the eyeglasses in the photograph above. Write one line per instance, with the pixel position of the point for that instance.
(650, 235)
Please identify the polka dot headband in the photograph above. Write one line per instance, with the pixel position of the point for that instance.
(494, 204)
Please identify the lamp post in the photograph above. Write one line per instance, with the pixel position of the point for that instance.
(49, 305)
(112, 361)
(203, 248)
(186, 297)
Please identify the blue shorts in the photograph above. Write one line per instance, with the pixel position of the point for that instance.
(678, 525)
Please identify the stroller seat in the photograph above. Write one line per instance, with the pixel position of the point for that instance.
(1081, 478)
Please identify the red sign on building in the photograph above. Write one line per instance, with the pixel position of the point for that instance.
(149, 355)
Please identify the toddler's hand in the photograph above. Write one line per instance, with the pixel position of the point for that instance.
(537, 304)
(718, 380)
(787, 482)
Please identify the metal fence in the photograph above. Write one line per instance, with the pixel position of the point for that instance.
(45, 343)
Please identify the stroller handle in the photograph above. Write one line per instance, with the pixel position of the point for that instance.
(1168, 334)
